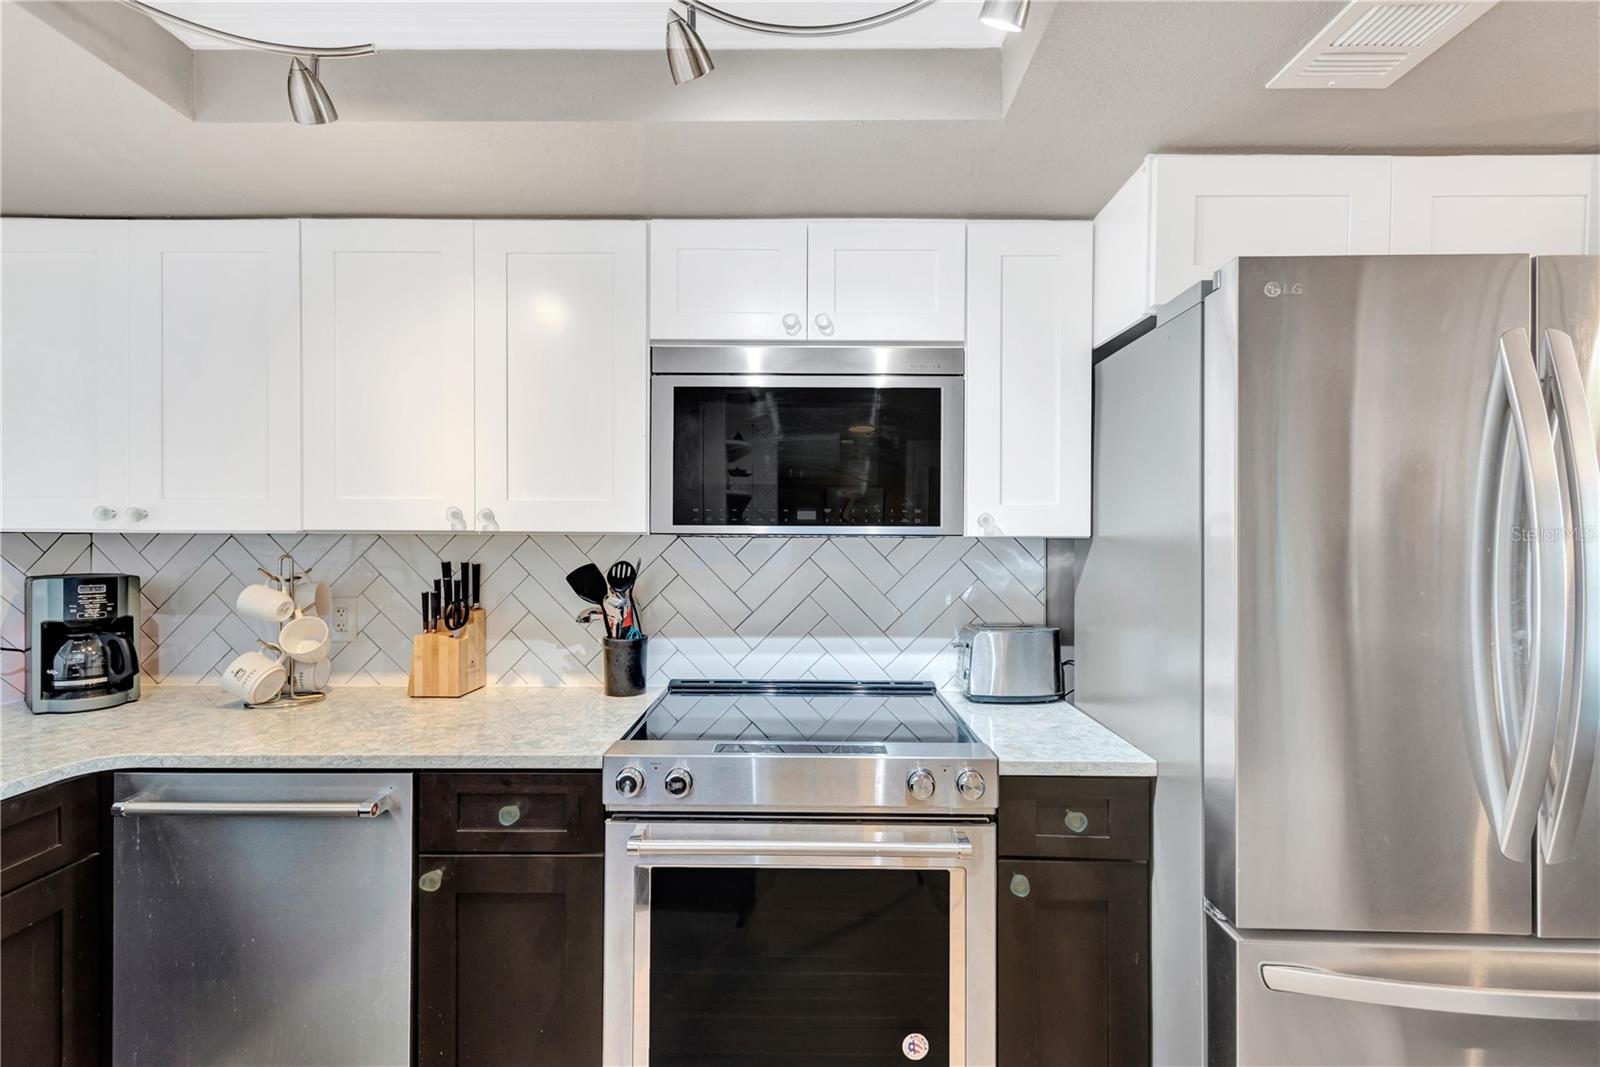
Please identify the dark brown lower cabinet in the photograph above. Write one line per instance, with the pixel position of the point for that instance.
(50, 968)
(509, 956)
(1073, 938)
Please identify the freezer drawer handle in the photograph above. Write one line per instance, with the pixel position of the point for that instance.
(359, 809)
(639, 845)
(1579, 723)
(1567, 1005)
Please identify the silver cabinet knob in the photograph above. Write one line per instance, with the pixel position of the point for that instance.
(791, 323)
(970, 785)
(629, 781)
(137, 514)
(105, 514)
(509, 814)
(431, 880)
(1076, 821)
(920, 783)
(1020, 886)
(456, 518)
(824, 324)
(678, 782)
(487, 521)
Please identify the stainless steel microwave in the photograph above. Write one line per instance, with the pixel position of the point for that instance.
(806, 439)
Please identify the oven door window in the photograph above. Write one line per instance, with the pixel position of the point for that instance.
(798, 965)
(787, 456)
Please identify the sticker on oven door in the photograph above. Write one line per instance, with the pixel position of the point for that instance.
(915, 1046)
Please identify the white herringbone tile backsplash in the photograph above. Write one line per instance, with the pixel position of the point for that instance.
(715, 607)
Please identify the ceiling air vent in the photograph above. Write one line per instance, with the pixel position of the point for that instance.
(1371, 45)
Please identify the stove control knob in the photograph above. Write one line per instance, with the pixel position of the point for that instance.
(970, 785)
(678, 782)
(920, 783)
(629, 781)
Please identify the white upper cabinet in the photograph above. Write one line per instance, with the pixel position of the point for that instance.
(1541, 205)
(887, 281)
(562, 376)
(727, 281)
(1029, 379)
(1179, 218)
(215, 375)
(64, 410)
(387, 370)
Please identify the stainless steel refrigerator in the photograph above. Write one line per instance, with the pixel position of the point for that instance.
(1345, 587)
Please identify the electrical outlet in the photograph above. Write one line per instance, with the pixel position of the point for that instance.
(344, 623)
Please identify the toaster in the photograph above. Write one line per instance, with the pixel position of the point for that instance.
(1010, 664)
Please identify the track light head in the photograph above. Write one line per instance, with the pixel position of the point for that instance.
(309, 102)
(687, 57)
(1008, 15)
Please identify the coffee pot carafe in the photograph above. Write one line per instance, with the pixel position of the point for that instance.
(92, 660)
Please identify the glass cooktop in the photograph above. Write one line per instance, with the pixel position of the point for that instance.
(846, 718)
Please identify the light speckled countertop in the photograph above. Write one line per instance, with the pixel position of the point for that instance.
(203, 728)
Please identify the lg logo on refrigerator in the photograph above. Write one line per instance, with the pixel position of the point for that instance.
(1278, 289)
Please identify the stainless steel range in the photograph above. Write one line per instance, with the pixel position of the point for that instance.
(796, 871)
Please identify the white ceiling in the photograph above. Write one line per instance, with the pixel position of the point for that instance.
(567, 24)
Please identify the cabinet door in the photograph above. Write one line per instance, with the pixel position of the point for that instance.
(887, 281)
(1073, 941)
(64, 410)
(1029, 379)
(563, 375)
(509, 958)
(50, 968)
(1539, 205)
(727, 281)
(1206, 210)
(387, 374)
(215, 375)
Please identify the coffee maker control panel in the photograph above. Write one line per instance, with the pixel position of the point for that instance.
(88, 599)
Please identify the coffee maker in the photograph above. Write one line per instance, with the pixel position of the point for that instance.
(82, 651)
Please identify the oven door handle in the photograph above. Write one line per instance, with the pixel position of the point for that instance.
(960, 846)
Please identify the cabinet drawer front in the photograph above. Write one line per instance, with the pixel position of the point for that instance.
(1076, 818)
(45, 830)
(510, 813)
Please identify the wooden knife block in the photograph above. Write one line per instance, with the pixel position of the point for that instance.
(445, 665)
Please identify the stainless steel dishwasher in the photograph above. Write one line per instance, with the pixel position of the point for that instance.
(262, 918)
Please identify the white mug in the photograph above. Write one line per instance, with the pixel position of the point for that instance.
(254, 677)
(306, 638)
(312, 677)
(314, 597)
(265, 604)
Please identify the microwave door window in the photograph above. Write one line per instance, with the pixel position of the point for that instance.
(793, 456)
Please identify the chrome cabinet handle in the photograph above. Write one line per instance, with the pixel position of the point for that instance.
(105, 514)
(1570, 1005)
(1510, 740)
(1578, 725)
(487, 521)
(824, 324)
(1020, 886)
(509, 814)
(431, 880)
(791, 323)
(639, 845)
(137, 514)
(370, 808)
(455, 517)
(1076, 821)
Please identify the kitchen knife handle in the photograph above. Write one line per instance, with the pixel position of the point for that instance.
(477, 585)
(427, 621)
(444, 572)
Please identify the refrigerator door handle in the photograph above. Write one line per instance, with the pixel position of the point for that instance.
(1511, 740)
(1566, 1005)
(1579, 723)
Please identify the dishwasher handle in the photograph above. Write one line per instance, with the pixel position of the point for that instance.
(370, 808)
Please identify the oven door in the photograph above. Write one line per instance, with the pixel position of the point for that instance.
(799, 943)
(806, 454)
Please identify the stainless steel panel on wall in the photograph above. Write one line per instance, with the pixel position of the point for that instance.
(1567, 298)
(1345, 418)
(278, 932)
(1376, 1002)
(1138, 637)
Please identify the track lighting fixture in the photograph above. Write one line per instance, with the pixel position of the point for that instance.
(309, 102)
(1008, 15)
(687, 57)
